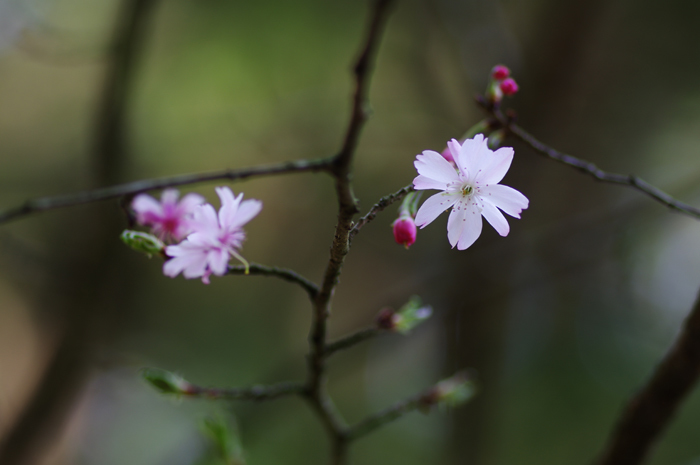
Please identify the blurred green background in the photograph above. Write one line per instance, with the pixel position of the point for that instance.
(563, 319)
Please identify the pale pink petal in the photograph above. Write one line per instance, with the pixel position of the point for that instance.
(506, 198)
(495, 218)
(432, 165)
(456, 222)
(432, 208)
(496, 166)
(190, 202)
(454, 147)
(147, 208)
(472, 228)
(423, 182)
(218, 261)
(169, 197)
(471, 156)
(247, 210)
(229, 206)
(205, 219)
(196, 266)
(184, 257)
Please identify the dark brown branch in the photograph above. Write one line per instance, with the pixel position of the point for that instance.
(351, 340)
(649, 412)
(383, 203)
(347, 208)
(282, 273)
(255, 393)
(132, 188)
(588, 167)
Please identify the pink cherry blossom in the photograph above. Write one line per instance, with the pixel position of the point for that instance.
(216, 238)
(472, 190)
(167, 218)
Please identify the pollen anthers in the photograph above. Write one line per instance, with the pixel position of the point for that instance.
(467, 190)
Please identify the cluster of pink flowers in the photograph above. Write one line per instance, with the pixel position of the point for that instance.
(207, 240)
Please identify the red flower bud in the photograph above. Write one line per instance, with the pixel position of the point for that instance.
(405, 230)
(500, 72)
(509, 86)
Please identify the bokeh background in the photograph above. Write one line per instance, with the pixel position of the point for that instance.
(563, 319)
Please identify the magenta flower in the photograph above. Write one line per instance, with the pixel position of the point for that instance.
(168, 218)
(215, 238)
(472, 190)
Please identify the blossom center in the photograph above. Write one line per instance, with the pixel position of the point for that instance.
(467, 190)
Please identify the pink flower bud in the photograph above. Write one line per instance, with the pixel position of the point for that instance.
(509, 86)
(405, 230)
(500, 72)
(447, 155)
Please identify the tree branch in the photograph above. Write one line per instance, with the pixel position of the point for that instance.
(349, 341)
(649, 412)
(255, 393)
(347, 208)
(133, 188)
(282, 273)
(383, 203)
(588, 167)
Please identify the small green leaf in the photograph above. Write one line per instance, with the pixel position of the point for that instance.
(166, 382)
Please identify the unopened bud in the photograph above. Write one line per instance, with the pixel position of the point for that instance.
(408, 317)
(509, 86)
(405, 230)
(387, 319)
(167, 382)
(451, 392)
(500, 72)
(143, 242)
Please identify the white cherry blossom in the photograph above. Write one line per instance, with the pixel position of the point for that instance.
(471, 190)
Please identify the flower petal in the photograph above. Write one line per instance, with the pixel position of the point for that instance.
(432, 208)
(472, 156)
(456, 223)
(229, 206)
(432, 165)
(205, 219)
(495, 166)
(423, 182)
(147, 208)
(190, 202)
(495, 218)
(247, 210)
(169, 197)
(506, 198)
(218, 259)
(472, 228)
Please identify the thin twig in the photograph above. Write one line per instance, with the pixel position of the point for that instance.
(132, 188)
(349, 341)
(255, 393)
(649, 412)
(282, 273)
(388, 415)
(383, 203)
(588, 167)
